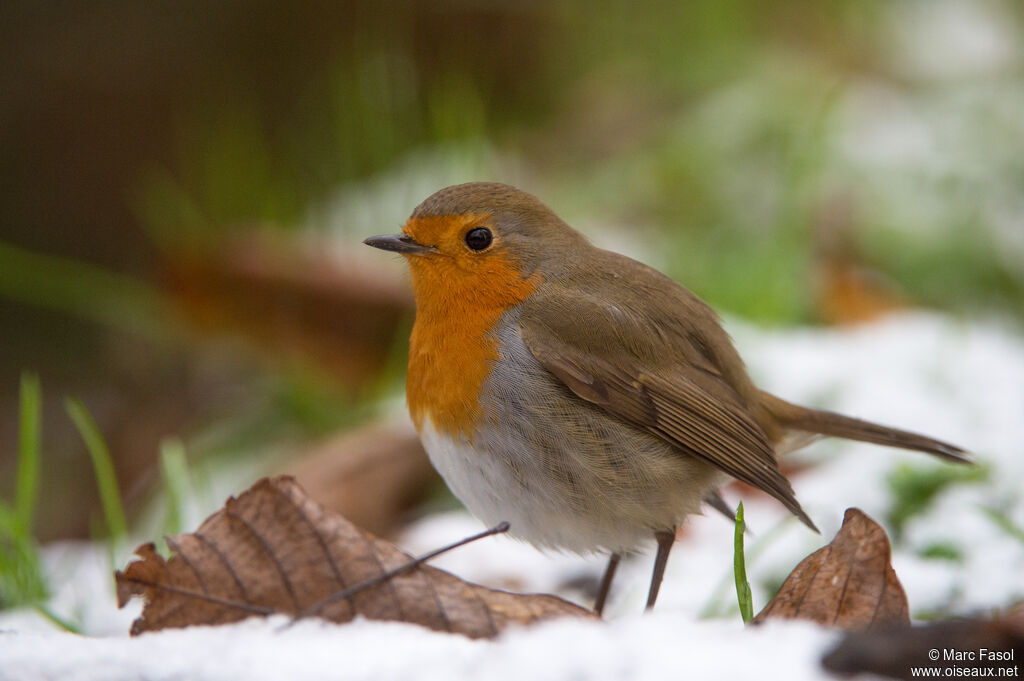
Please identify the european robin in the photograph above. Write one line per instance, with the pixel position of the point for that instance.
(583, 397)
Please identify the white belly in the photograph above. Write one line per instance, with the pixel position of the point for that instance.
(493, 491)
(489, 489)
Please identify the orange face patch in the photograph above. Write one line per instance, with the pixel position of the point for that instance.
(444, 232)
(460, 296)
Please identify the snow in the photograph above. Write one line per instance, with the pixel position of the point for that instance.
(957, 380)
(664, 645)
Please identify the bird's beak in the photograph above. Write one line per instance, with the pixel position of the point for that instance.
(399, 243)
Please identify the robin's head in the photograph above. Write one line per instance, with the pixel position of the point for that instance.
(481, 232)
(474, 251)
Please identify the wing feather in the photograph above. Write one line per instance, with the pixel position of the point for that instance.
(690, 406)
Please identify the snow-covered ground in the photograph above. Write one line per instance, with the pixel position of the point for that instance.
(960, 381)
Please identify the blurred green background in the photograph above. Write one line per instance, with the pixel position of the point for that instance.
(169, 170)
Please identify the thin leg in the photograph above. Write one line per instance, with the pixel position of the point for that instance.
(665, 541)
(606, 582)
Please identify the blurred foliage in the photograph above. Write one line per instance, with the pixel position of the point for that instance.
(397, 77)
(913, 489)
(721, 125)
(1004, 521)
(942, 551)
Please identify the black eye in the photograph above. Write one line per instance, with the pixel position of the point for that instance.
(478, 239)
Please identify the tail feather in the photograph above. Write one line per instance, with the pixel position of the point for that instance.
(828, 423)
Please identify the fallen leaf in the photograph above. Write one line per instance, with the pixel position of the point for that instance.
(275, 550)
(897, 653)
(372, 476)
(849, 584)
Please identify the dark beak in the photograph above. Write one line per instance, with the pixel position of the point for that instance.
(398, 243)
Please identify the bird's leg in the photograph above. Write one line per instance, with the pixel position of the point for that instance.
(665, 540)
(606, 582)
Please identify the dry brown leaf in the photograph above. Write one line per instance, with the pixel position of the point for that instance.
(275, 550)
(372, 476)
(849, 584)
(897, 653)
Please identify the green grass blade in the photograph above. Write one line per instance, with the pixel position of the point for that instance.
(27, 489)
(715, 606)
(103, 466)
(174, 468)
(57, 620)
(21, 576)
(740, 569)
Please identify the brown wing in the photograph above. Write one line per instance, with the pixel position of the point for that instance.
(685, 403)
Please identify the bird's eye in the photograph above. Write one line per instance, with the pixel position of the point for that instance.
(479, 238)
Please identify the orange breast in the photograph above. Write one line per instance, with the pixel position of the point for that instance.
(451, 349)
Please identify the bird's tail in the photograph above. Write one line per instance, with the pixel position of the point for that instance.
(794, 417)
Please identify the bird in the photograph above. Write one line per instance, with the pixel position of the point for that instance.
(583, 397)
